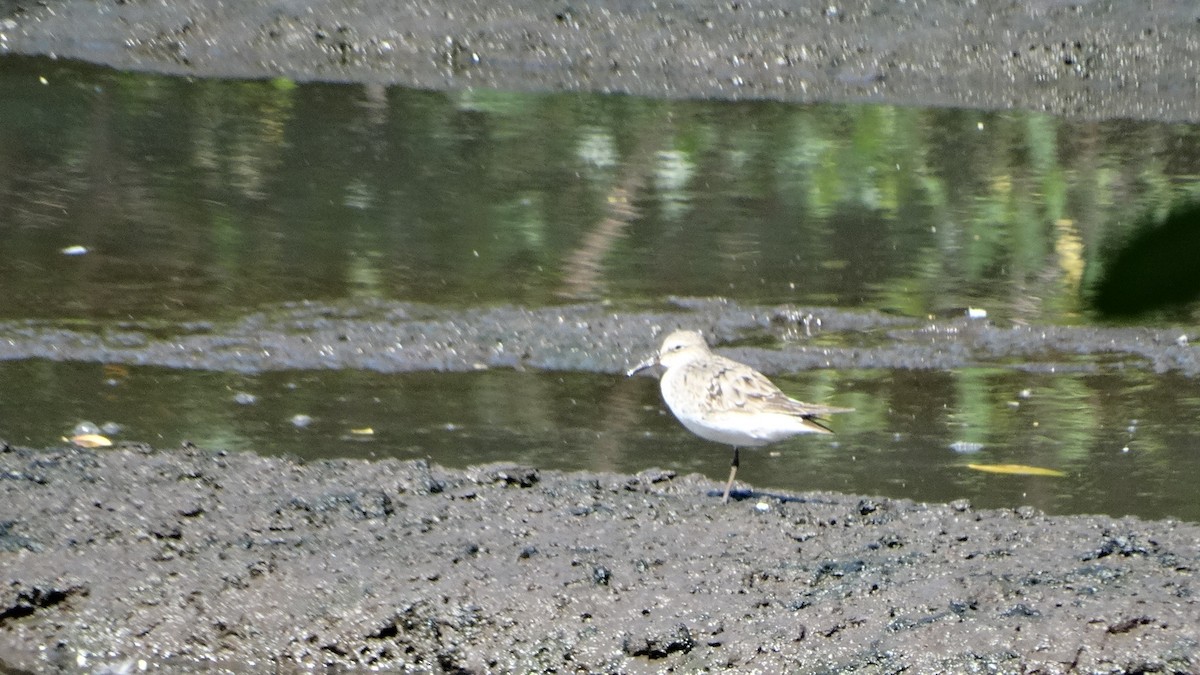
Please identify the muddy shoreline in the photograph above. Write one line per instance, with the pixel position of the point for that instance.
(398, 337)
(259, 564)
(1079, 58)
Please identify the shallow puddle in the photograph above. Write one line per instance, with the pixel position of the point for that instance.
(129, 195)
(1125, 440)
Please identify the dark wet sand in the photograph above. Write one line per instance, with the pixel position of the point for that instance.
(396, 337)
(193, 560)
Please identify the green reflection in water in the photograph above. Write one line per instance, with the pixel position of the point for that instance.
(204, 198)
(1124, 439)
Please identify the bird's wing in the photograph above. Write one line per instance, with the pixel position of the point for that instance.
(734, 386)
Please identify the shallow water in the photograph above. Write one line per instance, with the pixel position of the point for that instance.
(1125, 441)
(127, 196)
(206, 198)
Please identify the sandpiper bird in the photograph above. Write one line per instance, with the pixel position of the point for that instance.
(721, 400)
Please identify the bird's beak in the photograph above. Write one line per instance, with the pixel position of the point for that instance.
(648, 363)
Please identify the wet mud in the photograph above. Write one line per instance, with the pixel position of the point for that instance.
(394, 337)
(1083, 58)
(192, 560)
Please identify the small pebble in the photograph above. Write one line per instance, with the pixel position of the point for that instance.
(601, 575)
(301, 421)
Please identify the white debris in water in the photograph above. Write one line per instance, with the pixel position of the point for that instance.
(976, 313)
(301, 420)
(74, 250)
(965, 447)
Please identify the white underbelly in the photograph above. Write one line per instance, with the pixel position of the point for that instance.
(745, 430)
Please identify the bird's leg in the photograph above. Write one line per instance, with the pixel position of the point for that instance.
(732, 472)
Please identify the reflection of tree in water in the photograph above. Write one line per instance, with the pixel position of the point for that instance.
(206, 195)
(584, 266)
(1155, 269)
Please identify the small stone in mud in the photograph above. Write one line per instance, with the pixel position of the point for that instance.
(659, 646)
(1021, 609)
(653, 476)
(867, 506)
(520, 476)
(1026, 512)
(601, 575)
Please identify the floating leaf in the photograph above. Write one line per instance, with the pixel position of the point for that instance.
(1016, 469)
(90, 441)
